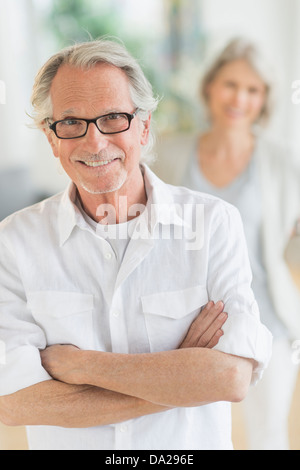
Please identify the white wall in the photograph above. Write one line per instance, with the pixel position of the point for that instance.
(19, 62)
(293, 52)
(14, 55)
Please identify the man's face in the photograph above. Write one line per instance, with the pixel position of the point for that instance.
(97, 163)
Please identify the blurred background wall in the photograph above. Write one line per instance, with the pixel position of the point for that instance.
(173, 40)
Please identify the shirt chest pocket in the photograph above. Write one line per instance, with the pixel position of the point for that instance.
(65, 317)
(168, 315)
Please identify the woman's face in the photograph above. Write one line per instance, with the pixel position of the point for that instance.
(236, 96)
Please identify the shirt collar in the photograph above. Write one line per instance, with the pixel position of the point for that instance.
(161, 207)
(161, 204)
(69, 215)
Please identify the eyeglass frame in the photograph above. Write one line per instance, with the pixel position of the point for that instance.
(129, 116)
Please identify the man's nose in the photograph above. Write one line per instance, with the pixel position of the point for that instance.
(95, 140)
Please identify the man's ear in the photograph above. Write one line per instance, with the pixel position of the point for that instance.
(146, 130)
(53, 141)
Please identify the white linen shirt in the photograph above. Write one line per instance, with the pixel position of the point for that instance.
(60, 282)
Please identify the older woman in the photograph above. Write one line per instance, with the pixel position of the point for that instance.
(234, 161)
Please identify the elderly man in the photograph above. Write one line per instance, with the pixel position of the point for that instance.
(101, 286)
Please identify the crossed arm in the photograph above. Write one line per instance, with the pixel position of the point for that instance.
(91, 388)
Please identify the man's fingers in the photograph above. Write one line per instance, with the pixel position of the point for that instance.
(217, 324)
(212, 309)
(207, 316)
(214, 341)
(206, 329)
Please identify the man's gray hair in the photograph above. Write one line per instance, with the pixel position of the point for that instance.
(87, 55)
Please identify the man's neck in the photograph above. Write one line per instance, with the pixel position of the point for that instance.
(117, 206)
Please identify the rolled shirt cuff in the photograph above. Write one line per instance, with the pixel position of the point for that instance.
(21, 368)
(245, 336)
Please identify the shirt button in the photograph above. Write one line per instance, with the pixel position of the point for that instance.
(123, 428)
(108, 256)
(116, 314)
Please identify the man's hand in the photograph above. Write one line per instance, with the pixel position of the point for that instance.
(206, 330)
(63, 363)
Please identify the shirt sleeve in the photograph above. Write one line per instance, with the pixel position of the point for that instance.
(229, 280)
(20, 337)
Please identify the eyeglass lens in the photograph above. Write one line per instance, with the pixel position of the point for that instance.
(110, 124)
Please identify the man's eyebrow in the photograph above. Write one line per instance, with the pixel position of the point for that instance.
(74, 113)
(68, 112)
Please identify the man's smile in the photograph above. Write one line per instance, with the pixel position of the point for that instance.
(96, 164)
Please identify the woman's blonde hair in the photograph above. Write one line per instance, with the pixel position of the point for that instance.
(242, 49)
(86, 55)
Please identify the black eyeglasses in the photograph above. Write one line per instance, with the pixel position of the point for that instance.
(112, 123)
